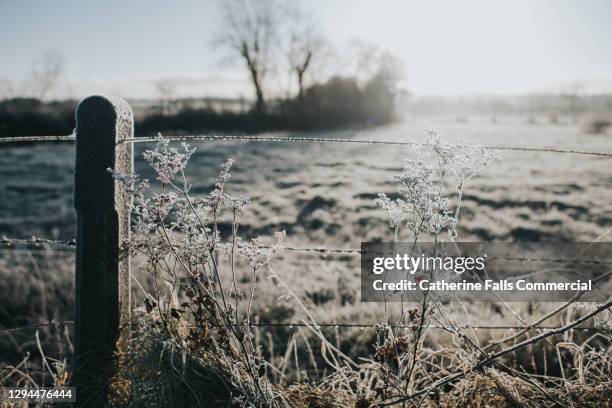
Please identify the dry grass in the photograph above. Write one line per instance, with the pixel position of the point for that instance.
(585, 360)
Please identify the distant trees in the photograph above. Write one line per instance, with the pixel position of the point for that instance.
(44, 78)
(29, 116)
(283, 40)
(249, 31)
(166, 88)
(303, 44)
(382, 84)
(46, 74)
(268, 36)
(369, 61)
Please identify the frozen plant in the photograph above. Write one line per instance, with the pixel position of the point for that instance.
(191, 311)
(427, 207)
(423, 206)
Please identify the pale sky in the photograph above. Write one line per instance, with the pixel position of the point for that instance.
(449, 47)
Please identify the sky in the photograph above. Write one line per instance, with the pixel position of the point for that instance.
(448, 47)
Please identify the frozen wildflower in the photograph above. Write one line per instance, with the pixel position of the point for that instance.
(424, 204)
(218, 197)
(445, 152)
(224, 175)
(236, 204)
(256, 254)
(179, 236)
(395, 209)
(164, 202)
(251, 251)
(178, 239)
(131, 182)
(167, 161)
(464, 160)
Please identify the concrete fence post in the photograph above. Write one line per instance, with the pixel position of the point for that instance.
(102, 313)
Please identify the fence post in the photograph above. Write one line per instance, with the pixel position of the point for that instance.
(102, 312)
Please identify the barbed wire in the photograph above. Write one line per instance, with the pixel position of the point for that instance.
(322, 325)
(37, 326)
(406, 326)
(71, 243)
(293, 139)
(45, 252)
(32, 139)
(37, 241)
(500, 258)
(322, 250)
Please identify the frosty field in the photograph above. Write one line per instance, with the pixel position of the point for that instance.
(323, 193)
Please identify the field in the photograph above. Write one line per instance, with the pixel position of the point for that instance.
(322, 195)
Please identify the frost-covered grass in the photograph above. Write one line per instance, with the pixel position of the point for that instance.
(197, 338)
(323, 194)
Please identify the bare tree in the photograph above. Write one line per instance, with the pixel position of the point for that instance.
(166, 88)
(46, 73)
(371, 62)
(303, 44)
(249, 30)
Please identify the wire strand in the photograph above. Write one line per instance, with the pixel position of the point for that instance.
(406, 326)
(320, 325)
(36, 326)
(37, 241)
(71, 243)
(293, 139)
(33, 139)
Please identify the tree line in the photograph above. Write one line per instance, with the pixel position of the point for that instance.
(299, 81)
(275, 40)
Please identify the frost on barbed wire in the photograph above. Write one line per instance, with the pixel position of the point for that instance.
(423, 205)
